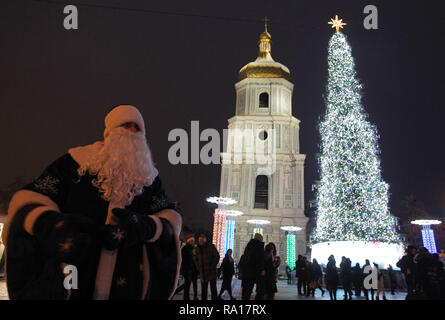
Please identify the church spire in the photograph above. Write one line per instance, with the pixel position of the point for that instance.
(265, 43)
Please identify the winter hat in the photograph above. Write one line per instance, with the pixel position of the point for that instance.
(123, 114)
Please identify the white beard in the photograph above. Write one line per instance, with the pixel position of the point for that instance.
(122, 167)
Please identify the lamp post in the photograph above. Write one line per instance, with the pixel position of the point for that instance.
(219, 223)
(258, 225)
(230, 229)
(291, 256)
(427, 233)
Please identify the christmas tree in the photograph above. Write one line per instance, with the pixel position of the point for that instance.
(351, 198)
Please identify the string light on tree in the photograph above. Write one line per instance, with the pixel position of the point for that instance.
(351, 198)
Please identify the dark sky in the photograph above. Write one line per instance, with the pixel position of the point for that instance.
(56, 85)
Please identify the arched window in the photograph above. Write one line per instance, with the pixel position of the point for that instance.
(264, 100)
(261, 192)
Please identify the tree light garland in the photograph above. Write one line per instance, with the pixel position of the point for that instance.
(351, 198)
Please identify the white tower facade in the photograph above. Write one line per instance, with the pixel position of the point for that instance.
(263, 124)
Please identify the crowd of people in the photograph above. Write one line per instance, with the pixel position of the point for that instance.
(258, 269)
(424, 274)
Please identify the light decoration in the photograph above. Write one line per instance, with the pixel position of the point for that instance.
(428, 239)
(351, 197)
(258, 225)
(290, 245)
(426, 222)
(258, 221)
(233, 213)
(382, 253)
(290, 228)
(223, 231)
(290, 250)
(221, 200)
(337, 24)
(230, 235)
(219, 232)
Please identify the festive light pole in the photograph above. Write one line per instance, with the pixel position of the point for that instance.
(230, 229)
(428, 239)
(291, 256)
(258, 225)
(219, 224)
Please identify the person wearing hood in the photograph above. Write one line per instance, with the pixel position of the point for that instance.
(252, 266)
(99, 210)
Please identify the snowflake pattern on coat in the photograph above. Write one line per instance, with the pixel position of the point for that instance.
(159, 202)
(47, 184)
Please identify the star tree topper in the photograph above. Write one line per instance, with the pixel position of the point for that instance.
(337, 24)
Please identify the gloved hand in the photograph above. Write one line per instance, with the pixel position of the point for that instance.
(64, 236)
(137, 227)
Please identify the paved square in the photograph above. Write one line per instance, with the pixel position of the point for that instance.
(285, 292)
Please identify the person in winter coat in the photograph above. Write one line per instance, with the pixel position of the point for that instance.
(270, 283)
(101, 208)
(406, 265)
(392, 279)
(276, 259)
(228, 270)
(300, 272)
(426, 273)
(441, 275)
(380, 283)
(331, 278)
(318, 276)
(367, 269)
(206, 259)
(188, 269)
(251, 266)
(357, 279)
(346, 276)
(310, 279)
(288, 274)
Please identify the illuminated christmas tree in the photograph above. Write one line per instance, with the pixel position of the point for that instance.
(352, 198)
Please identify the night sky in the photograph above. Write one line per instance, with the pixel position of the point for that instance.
(178, 61)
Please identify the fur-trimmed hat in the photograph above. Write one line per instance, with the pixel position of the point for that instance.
(123, 114)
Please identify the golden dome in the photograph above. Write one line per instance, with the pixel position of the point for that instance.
(264, 66)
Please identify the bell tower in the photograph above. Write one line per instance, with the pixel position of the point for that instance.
(263, 125)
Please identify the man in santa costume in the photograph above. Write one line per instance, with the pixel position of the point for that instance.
(102, 209)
